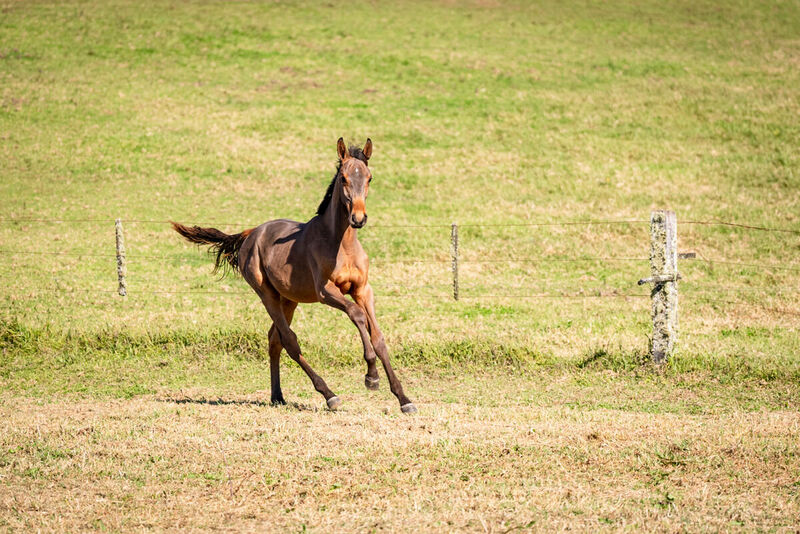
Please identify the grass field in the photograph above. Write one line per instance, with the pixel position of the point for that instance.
(538, 409)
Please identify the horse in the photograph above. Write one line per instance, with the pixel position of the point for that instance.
(288, 262)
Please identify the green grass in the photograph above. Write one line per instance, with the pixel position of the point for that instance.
(47, 362)
(515, 113)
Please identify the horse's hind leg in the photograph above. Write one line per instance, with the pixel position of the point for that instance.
(275, 348)
(273, 303)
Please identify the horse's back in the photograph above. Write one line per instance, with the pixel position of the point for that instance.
(274, 250)
(274, 229)
(268, 236)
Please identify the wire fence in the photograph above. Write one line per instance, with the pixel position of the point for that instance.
(110, 220)
(707, 293)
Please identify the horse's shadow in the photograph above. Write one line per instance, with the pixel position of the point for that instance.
(296, 406)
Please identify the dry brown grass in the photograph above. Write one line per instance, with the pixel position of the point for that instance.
(494, 459)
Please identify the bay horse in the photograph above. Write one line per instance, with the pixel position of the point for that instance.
(288, 262)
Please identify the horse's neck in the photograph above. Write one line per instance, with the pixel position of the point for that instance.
(337, 226)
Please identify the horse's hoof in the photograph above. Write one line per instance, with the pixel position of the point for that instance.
(372, 383)
(408, 408)
(278, 402)
(334, 402)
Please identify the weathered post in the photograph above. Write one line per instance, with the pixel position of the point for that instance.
(454, 252)
(664, 271)
(121, 269)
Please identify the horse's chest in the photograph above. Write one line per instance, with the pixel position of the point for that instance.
(347, 278)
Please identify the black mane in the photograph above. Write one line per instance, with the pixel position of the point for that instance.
(355, 152)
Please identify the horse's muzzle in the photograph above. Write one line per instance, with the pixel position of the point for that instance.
(358, 223)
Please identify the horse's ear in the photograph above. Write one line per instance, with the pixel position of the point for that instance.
(341, 149)
(368, 148)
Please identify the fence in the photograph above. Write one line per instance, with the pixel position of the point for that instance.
(663, 258)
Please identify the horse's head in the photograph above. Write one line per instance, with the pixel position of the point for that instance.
(354, 176)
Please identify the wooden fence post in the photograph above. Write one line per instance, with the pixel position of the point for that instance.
(121, 269)
(454, 252)
(664, 277)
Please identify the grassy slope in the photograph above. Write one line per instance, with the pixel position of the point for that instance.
(229, 112)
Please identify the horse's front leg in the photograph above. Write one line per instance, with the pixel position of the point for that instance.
(366, 301)
(330, 295)
(333, 297)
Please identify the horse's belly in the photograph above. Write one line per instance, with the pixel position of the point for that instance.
(293, 285)
(300, 296)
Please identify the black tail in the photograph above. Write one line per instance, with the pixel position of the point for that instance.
(225, 246)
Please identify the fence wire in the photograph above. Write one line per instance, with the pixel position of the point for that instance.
(607, 292)
(612, 293)
(467, 293)
(110, 220)
(530, 259)
(377, 225)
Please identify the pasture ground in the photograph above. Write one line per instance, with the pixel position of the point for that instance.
(491, 451)
(537, 407)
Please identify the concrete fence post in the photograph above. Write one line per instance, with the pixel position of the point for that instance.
(121, 268)
(454, 253)
(664, 277)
